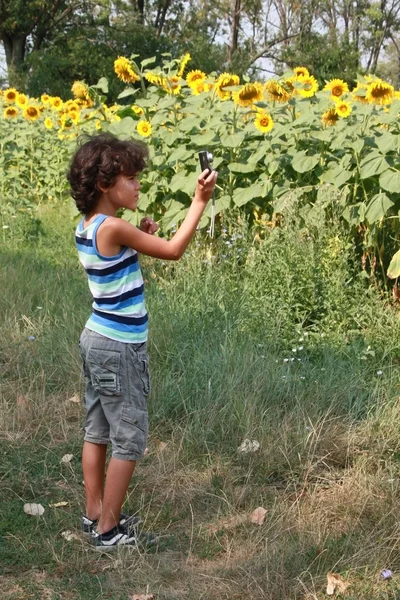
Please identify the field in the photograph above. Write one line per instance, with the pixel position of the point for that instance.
(281, 340)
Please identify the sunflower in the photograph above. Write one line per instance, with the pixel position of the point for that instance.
(31, 113)
(155, 79)
(343, 108)
(79, 89)
(171, 85)
(71, 105)
(195, 76)
(56, 102)
(10, 95)
(11, 112)
(124, 70)
(48, 123)
(379, 92)
(138, 110)
(21, 100)
(310, 86)
(263, 122)
(183, 62)
(337, 88)
(144, 128)
(301, 72)
(223, 81)
(330, 117)
(397, 94)
(98, 124)
(248, 94)
(74, 115)
(198, 87)
(45, 98)
(276, 92)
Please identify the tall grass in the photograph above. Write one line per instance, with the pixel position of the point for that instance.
(278, 340)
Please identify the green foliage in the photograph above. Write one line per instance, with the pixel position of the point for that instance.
(325, 58)
(277, 341)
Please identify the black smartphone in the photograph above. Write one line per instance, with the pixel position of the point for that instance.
(206, 159)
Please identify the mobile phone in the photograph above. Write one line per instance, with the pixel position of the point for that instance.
(206, 159)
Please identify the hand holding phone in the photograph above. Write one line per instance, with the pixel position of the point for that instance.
(206, 159)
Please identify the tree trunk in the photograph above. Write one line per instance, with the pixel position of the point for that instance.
(236, 6)
(15, 48)
(161, 15)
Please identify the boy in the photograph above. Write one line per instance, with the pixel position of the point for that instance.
(104, 178)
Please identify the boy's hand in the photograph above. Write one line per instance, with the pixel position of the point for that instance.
(205, 186)
(148, 225)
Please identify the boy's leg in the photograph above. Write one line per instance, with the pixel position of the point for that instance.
(119, 475)
(93, 465)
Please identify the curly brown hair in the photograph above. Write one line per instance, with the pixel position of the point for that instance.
(97, 163)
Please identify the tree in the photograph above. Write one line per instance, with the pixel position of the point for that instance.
(24, 24)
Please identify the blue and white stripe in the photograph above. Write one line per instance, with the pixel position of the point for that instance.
(116, 284)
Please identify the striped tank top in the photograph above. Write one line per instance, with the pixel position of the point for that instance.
(116, 284)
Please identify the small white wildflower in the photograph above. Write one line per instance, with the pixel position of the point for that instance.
(386, 574)
(292, 359)
(379, 372)
(285, 360)
(301, 377)
(300, 348)
(6, 227)
(294, 349)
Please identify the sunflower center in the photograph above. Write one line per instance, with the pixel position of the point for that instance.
(337, 91)
(227, 83)
(248, 93)
(379, 92)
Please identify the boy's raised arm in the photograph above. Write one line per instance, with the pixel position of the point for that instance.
(123, 233)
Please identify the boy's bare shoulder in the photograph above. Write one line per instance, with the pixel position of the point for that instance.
(117, 224)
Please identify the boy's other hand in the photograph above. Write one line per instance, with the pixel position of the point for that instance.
(148, 225)
(205, 185)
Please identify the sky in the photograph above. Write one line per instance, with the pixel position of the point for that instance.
(3, 70)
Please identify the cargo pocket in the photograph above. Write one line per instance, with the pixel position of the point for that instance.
(104, 366)
(133, 429)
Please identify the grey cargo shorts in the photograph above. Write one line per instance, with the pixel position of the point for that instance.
(117, 385)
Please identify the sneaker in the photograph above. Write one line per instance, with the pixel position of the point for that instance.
(89, 525)
(121, 535)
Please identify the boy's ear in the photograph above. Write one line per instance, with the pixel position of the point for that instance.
(102, 188)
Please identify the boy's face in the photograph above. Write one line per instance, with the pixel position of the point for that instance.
(124, 193)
